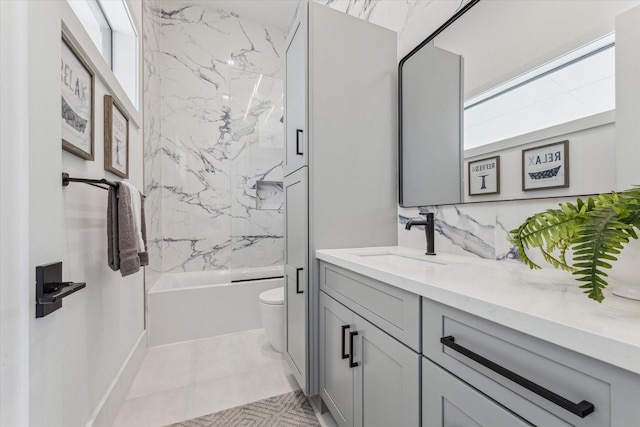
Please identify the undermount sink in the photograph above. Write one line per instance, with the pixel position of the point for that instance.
(403, 261)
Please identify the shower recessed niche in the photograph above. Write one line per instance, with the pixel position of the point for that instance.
(269, 195)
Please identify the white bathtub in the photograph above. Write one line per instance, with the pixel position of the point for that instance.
(188, 306)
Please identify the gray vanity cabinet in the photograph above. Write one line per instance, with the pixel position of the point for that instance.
(340, 128)
(380, 368)
(336, 374)
(578, 391)
(387, 379)
(368, 377)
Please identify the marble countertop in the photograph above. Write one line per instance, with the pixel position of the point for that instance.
(547, 304)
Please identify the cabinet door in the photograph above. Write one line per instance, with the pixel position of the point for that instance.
(387, 380)
(449, 402)
(296, 255)
(296, 98)
(336, 377)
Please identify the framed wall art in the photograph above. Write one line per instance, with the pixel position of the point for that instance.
(546, 166)
(77, 84)
(484, 176)
(116, 138)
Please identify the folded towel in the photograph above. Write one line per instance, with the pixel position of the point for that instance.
(113, 252)
(144, 255)
(137, 215)
(127, 239)
(125, 250)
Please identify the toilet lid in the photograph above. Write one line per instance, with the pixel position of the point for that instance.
(273, 296)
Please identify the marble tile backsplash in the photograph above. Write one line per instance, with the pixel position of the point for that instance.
(481, 230)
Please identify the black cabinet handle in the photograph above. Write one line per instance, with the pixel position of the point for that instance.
(298, 133)
(581, 409)
(298, 291)
(352, 364)
(344, 329)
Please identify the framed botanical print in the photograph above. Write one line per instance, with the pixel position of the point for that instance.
(546, 166)
(484, 176)
(116, 138)
(77, 84)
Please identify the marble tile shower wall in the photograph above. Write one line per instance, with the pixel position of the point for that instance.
(152, 147)
(220, 108)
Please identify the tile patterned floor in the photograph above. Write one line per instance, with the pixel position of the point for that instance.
(186, 380)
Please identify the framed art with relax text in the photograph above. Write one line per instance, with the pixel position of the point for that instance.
(546, 166)
(484, 176)
(116, 138)
(77, 84)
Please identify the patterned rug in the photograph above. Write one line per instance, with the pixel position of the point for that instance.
(287, 410)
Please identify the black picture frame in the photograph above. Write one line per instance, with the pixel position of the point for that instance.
(483, 176)
(546, 166)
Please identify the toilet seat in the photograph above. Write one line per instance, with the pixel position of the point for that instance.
(273, 296)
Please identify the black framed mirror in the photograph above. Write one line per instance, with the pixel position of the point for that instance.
(509, 51)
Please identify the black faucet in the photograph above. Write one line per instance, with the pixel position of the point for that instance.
(428, 229)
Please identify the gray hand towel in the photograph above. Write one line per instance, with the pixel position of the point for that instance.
(144, 256)
(127, 239)
(113, 254)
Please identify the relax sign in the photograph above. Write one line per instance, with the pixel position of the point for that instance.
(546, 166)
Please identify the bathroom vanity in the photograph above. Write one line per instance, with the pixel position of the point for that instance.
(409, 340)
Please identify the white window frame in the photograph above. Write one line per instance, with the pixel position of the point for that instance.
(73, 28)
(601, 44)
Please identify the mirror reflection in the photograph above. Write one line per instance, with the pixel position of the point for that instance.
(537, 73)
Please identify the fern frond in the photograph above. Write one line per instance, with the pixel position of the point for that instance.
(599, 240)
(596, 230)
(549, 231)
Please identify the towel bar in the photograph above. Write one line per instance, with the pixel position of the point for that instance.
(66, 179)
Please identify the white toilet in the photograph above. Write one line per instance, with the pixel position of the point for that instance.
(272, 314)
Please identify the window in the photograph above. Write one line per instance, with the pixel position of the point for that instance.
(110, 26)
(576, 85)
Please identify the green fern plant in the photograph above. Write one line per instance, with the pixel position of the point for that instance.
(595, 230)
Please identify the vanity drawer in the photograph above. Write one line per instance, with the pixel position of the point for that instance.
(448, 402)
(564, 373)
(395, 311)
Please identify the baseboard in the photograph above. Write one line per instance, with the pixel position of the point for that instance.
(107, 410)
(321, 411)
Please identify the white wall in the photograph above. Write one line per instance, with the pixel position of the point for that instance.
(14, 228)
(78, 353)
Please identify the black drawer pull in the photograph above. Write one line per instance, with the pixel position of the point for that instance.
(581, 409)
(298, 133)
(344, 328)
(352, 364)
(298, 291)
